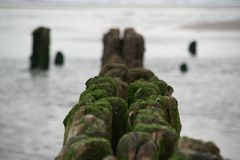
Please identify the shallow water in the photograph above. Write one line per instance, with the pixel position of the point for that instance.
(34, 104)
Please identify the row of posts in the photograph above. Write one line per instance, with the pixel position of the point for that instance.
(127, 112)
(128, 50)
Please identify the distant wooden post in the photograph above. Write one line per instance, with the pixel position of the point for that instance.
(183, 67)
(40, 51)
(128, 50)
(112, 47)
(133, 48)
(59, 58)
(193, 48)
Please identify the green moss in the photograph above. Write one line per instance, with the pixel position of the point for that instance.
(137, 145)
(100, 109)
(108, 87)
(164, 136)
(144, 93)
(119, 119)
(99, 80)
(86, 148)
(150, 102)
(122, 88)
(69, 118)
(163, 86)
(160, 99)
(164, 103)
(115, 70)
(133, 88)
(178, 156)
(93, 126)
(140, 73)
(137, 105)
(89, 96)
(87, 125)
(147, 116)
(87, 100)
(170, 106)
(118, 87)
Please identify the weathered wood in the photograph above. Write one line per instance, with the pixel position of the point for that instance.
(40, 50)
(129, 109)
(128, 50)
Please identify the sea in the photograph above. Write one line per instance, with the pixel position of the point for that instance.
(33, 104)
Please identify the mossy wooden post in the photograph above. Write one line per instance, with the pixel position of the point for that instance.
(40, 51)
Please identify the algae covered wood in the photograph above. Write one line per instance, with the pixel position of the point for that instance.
(102, 113)
(87, 125)
(164, 136)
(116, 71)
(85, 148)
(195, 149)
(119, 119)
(137, 146)
(128, 113)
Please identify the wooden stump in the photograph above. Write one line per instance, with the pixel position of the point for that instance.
(40, 51)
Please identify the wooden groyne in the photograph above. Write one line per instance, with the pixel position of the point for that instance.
(128, 113)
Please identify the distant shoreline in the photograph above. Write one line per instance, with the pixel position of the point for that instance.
(217, 25)
(41, 6)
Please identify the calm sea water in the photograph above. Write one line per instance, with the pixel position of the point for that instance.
(34, 104)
